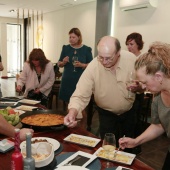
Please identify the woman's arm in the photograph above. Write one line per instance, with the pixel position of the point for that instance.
(1, 65)
(152, 132)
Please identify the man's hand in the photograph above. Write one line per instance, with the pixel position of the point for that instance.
(23, 133)
(70, 118)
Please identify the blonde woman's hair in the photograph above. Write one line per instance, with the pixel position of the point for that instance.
(156, 59)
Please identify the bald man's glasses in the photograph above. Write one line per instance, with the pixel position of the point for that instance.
(107, 59)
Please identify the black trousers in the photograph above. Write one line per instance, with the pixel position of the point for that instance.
(137, 108)
(120, 125)
(166, 165)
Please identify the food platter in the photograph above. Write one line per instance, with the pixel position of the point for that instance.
(82, 140)
(42, 127)
(27, 101)
(121, 157)
(25, 108)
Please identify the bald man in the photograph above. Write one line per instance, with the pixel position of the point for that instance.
(106, 77)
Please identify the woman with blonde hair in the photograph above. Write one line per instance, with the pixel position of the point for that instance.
(153, 73)
(72, 72)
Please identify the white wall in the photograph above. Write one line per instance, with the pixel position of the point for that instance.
(3, 41)
(56, 27)
(153, 24)
(58, 24)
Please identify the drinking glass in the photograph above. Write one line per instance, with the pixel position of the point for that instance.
(74, 60)
(109, 145)
(129, 82)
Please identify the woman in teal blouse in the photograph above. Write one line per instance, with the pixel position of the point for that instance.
(71, 77)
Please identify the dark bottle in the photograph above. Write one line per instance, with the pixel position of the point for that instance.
(29, 162)
(17, 159)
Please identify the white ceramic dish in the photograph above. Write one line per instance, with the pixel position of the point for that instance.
(42, 149)
(122, 168)
(128, 159)
(82, 140)
(27, 101)
(90, 156)
(71, 167)
(25, 108)
(54, 142)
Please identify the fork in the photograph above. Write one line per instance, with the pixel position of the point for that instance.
(114, 156)
(72, 161)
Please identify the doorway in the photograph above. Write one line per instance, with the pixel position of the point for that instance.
(14, 55)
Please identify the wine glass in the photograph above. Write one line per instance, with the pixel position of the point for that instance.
(129, 82)
(74, 60)
(109, 145)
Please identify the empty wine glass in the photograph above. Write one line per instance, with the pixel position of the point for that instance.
(109, 145)
(129, 82)
(74, 60)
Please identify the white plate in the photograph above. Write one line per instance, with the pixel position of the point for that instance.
(82, 140)
(26, 108)
(12, 97)
(26, 101)
(122, 168)
(128, 159)
(92, 158)
(54, 142)
(8, 103)
(71, 167)
(19, 111)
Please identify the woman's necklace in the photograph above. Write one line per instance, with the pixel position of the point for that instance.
(38, 70)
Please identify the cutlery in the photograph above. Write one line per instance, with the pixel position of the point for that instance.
(115, 154)
(72, 161)
(72, 122)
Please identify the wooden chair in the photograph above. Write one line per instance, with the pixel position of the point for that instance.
(54, 92)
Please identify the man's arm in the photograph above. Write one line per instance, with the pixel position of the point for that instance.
(8, 130)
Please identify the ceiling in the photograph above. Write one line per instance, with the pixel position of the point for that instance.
(36, 5)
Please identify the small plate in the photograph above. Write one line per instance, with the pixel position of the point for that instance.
(26, 101)
(121, 157)
(82, 140)
(25, 108)
(6, 145)
(12, 98)
(72, 167)
(54, 142)
(84, 154)
(122, 168)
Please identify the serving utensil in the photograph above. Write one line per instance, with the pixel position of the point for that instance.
(72, 161)
(115, 154)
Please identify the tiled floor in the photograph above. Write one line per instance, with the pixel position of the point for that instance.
(153, 152)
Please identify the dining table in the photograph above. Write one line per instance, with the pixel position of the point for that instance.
(59, 135)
